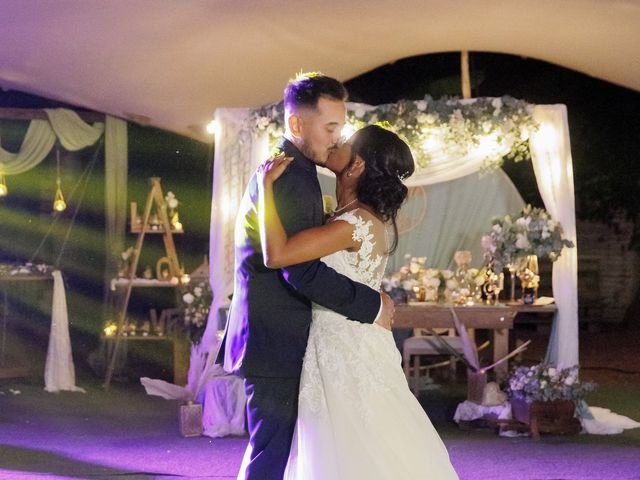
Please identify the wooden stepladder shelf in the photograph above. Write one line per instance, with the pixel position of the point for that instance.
(142, 225)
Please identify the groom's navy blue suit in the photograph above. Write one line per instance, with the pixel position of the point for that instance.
(268, 324)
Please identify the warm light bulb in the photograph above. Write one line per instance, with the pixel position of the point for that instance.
(185, 278)
(178, 226)
(109, 330)
(212, 127)
(58, 202)
(59, 205)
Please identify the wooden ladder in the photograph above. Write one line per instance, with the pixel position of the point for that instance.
(156, 197)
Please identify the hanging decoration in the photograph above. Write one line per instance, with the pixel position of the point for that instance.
(430, 127)
(59, 205)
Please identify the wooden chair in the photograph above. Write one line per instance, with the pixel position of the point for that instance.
(424, 344)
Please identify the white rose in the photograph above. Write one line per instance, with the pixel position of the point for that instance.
(496, 103)
(172, 203)
(497, 228)
(551, 372)
(197, 291)
(569, 381)
(545, 233)
(188, 298)
(359, 112)
(421, 105)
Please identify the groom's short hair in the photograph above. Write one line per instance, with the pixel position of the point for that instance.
(305, 90)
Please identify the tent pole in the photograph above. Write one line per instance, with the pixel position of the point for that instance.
(464, 74)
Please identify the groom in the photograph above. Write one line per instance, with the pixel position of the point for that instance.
(268, 324)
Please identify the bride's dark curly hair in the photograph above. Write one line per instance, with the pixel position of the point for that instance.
(388, 161)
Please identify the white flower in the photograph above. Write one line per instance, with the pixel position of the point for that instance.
(421, 105)
(523, 221)
(188, 298)
(551, 372)
(432, 282)
(359, 112)
(496, 103)
(522, 242)
(570, 380)
(479, 280)
(197, 291)
(497, 228)
(451, 284)
(488, 245)
(545, 233)
(431, 272)
(447, 274)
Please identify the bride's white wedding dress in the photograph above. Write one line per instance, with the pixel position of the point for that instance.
(357, 418)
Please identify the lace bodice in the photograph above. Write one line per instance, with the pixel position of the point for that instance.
(368, 263)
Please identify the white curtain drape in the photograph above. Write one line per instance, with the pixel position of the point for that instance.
(36, 145)
(115, 186)
(553, 167)
(238, 153)
(59, 372)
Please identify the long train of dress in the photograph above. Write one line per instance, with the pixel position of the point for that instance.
(357, 418)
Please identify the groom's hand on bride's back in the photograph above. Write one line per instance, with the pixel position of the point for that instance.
(385, 319)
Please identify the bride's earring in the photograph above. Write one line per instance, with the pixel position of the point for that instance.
(349, 174)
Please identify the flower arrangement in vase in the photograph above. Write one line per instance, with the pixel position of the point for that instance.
(197, 299)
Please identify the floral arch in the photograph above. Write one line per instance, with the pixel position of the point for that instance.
(450, 139)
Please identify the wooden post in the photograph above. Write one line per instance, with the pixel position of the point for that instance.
(464, 74)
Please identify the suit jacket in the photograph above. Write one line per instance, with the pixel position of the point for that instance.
(270, 314)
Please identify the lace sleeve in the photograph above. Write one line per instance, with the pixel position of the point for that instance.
(368, 259)
(361, 230)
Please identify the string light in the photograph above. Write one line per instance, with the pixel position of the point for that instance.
(59, 205)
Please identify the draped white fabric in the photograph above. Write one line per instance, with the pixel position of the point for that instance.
(73, 132)
(115, 184)
(237, 154)
(59, 372)
(35, 147)
(553, 167)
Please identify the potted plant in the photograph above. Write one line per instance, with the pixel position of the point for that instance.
(545, 397)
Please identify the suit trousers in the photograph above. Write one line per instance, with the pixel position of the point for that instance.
(272, 411)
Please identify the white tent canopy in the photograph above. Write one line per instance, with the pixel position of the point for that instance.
(171, 64)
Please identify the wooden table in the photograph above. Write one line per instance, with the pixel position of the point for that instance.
(498, 318)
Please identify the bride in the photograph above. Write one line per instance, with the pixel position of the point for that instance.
(357, 418)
